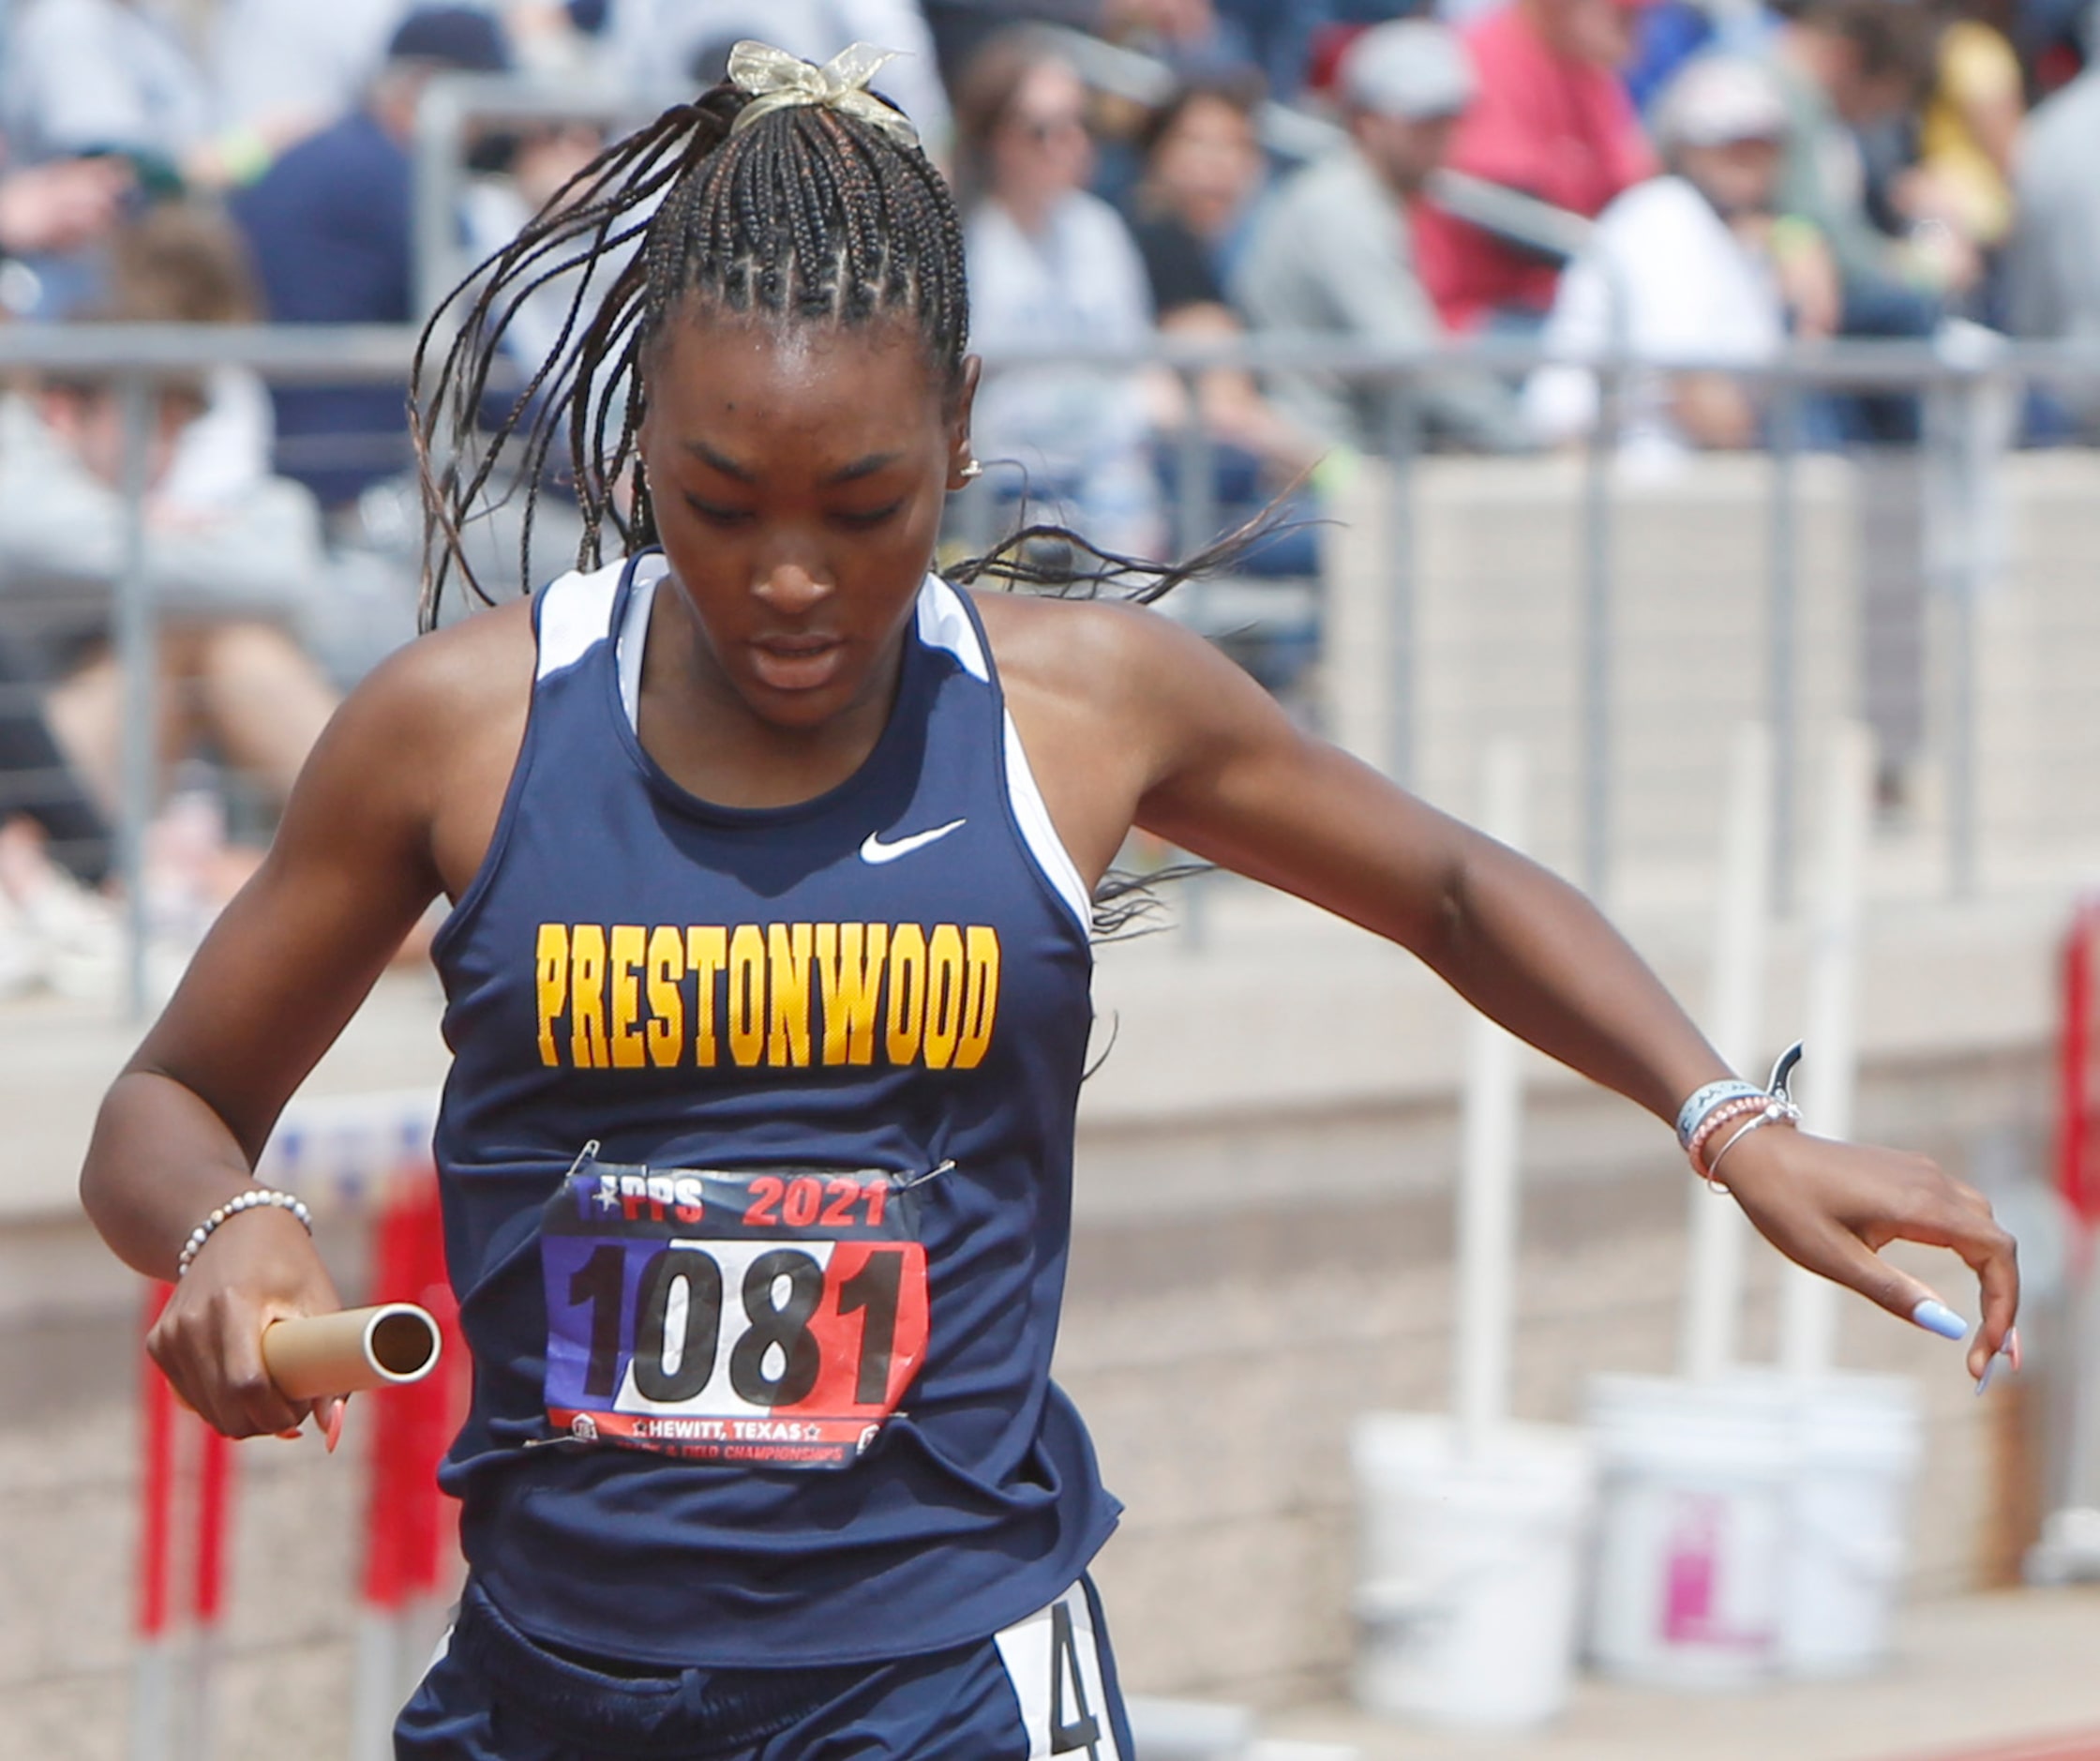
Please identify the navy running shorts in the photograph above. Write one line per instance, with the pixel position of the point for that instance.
(1045, 1686)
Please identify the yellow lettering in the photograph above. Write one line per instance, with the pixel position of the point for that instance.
(707, 952)
(587, 998)
(944, 995)
(906, 1018)
(627, 944)
(787, 981)
(666, 996)
(850, 961)
(980, 995)
(551, 959)
(747, 994)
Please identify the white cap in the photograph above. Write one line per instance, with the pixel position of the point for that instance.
(1718, 100)
(1410, 67)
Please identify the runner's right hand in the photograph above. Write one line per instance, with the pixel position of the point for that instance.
(259, 1267)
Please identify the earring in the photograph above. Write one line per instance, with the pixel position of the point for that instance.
(971, 471)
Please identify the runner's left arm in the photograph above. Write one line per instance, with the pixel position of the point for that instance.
(1218, 770)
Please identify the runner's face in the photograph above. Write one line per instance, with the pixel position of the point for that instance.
(797, 473)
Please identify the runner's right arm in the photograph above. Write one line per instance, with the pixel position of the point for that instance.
(354, 863)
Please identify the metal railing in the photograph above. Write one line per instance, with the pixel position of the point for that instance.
(133, 358)
(1956, 383)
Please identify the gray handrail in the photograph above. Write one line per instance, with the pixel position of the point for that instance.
(133, 357)
(296, 354)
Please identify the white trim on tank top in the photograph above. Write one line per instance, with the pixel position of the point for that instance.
(574, 613)
(944, 622)
(578, 611)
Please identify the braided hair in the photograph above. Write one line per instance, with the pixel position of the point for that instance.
(808, 216)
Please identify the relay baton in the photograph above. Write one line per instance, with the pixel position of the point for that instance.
(311, 1356)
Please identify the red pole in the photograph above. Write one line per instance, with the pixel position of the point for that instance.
(393, 1276)
(214, 1491)
(2076, 1178)
(435, 1403)
(407, 1534)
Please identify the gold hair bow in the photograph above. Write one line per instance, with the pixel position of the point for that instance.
(774, 80)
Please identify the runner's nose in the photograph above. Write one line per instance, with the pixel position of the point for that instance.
(791, 589)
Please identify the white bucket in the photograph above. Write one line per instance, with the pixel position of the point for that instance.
(1467, 1600)
(1859, 1441)
(1692, 1538)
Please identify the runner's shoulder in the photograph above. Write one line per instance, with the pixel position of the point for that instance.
(475, 674)
(1107, 654)
(434, 714)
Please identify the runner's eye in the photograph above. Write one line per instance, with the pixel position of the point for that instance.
(718, 515)
(866, 519)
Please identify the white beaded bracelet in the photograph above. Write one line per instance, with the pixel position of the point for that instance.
(233, 1208)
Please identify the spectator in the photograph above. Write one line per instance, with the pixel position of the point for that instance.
(1690, 269)
(229, 570)
(542, 158)
(1969, 135)
(664, 51)
(1851, 67)
(1551, 120)
(102, 76)
(1274, 38)
(962, 28)
(54, 217)
(1334, 251)
(1050, 264)
(1203, 168)
(331, 230)
(1203, 164)
(1847, 65)
(285, 68)
(184, 264)
(54, 849)
(556, 38)
(1670, 33)
(2052, 270)
(62, 205)
(41, 789)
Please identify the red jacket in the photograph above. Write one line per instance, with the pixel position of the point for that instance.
(1562, 130)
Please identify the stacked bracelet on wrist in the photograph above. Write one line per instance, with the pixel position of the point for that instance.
(1718, 1105)
(1696, 1111)
(249, 1200)
(1719, 1119)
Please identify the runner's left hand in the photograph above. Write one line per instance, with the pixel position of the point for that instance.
(1831, 1206)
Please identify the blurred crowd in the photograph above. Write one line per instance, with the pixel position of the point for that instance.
(1681, 183)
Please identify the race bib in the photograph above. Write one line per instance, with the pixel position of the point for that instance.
(768, 1318)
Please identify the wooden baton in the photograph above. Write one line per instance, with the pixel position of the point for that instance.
(350, 1351)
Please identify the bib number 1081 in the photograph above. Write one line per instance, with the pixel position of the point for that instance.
(776, 1357)
(770, 1319)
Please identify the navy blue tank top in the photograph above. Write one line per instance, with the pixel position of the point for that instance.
(757, 1154)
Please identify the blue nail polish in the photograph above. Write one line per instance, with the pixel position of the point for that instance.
(1936, 1318)
(1983, 1381)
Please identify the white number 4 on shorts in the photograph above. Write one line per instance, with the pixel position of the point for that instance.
(1055, 1666)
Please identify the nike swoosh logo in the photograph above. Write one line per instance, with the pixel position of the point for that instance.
(876, 851)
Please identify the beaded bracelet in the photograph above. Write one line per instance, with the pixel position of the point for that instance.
(1696, 1111)
(1740, 1107)
(248, 1200)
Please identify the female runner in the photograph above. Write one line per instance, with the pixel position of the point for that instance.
(770, 856)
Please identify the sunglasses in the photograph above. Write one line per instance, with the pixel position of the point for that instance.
(1043, 130)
